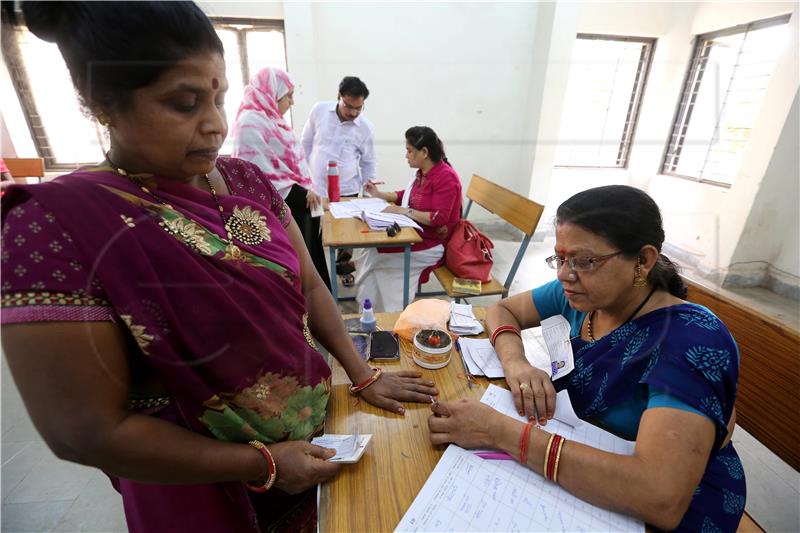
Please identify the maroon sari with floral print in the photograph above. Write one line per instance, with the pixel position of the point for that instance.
(223, 329)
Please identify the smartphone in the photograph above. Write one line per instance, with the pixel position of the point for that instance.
(383, 346)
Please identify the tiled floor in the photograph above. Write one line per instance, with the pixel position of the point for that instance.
(42, 493)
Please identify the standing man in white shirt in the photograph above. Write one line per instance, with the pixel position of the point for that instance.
(337, 131)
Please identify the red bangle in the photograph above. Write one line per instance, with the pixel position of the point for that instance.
(355, 389)
(271, 467)
(553, 452)
(524, 439)
(558, 458)
(502, 329)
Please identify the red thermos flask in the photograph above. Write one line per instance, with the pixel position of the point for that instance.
(333, 182)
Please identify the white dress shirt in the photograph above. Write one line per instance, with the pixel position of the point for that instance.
(349, 143)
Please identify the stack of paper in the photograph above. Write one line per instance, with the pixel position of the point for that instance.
(353, 208)
(463, 321)
(349, 448)
(380, 221)
(481, 358)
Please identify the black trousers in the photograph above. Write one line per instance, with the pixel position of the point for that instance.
(309, 227)
(343, 256)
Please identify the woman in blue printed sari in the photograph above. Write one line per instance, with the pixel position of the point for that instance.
(649, 367)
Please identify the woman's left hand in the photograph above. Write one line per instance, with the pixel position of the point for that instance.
(395, 387)
(468, 423)
(397, 209)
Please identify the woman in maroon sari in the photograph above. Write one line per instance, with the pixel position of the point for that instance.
(160, 309)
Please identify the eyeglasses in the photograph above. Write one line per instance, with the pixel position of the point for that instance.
(578, 264)
(349, 107)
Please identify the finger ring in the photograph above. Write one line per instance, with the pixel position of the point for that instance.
(524, 386)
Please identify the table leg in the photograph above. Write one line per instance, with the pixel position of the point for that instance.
(406, 272)
(334, 284)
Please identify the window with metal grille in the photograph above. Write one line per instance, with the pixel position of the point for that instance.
(607, 76)
(722, 95)
(63, 133)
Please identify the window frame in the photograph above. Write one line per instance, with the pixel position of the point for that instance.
(12, 55)
(635, 101)
(694, 74)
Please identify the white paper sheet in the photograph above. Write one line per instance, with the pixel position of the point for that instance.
(467, 493)
(555, 331)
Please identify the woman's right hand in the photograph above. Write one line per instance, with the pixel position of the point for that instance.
(313, 200)
(371, 189)
(301, 465)
(533, 391)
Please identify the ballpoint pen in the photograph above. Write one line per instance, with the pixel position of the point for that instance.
(464, 364)
(497, 456)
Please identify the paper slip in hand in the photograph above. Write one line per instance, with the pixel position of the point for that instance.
(317, 210)
(349, 448)
(555, 331)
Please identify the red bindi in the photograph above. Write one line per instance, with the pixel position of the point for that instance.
(215, 84)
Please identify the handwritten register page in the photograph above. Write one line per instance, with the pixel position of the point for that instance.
(467, 493)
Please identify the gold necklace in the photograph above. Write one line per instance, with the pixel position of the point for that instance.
(247, 225)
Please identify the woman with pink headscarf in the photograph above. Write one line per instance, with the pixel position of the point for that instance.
(263, 137)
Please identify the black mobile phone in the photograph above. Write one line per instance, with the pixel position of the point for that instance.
(383, 345)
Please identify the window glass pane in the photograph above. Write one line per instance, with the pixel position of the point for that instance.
(601, 84)
(233, 71)
(724, 99)
(71, 135)
(266, 49)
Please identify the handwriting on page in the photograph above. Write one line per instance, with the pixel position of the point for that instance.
(467, 493)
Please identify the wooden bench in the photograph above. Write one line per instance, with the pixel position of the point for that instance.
(768, 397)
(520, 212)
(21, 168)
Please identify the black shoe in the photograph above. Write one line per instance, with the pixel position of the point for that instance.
(343, 269)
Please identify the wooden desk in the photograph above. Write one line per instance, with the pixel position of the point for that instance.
(374, 494)
(346, 233)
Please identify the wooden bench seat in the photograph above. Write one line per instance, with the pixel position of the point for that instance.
(520, 212)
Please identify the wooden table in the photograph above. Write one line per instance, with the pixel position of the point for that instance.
(347, 233)
(374, 494)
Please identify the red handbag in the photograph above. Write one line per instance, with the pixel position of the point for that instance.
(469, 253)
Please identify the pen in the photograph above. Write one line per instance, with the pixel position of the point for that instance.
(497, 456)
(377, 182)
(464, 364)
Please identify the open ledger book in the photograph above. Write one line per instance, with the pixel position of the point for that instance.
(467, 493)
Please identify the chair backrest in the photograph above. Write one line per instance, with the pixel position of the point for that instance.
(32, 167)
(768, 397)
(523, 213)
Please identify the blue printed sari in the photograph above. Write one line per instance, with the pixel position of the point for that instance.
(683, 351)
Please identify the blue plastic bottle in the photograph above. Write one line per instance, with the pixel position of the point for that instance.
(368, 322)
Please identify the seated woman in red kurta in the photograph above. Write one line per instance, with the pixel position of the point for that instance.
(433, 200)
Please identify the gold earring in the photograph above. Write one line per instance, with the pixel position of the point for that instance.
(103, 119)
(638, 280)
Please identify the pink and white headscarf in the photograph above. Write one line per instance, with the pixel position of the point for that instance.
(262, 136)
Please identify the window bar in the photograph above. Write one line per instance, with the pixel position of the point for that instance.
(241, 38)
(633, 107)
(682, 122)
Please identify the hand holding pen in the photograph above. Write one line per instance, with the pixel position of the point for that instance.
(466, 422)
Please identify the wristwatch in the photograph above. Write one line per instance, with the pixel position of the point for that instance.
(408, 212)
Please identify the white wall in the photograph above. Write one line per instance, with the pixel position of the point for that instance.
(771, 234)
(705, 223)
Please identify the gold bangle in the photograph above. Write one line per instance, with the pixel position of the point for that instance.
(272, 468)
(558, 458)
(547, 453)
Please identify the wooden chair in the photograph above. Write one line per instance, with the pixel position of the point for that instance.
(767, 401)
(515, 209)
(32, 167)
